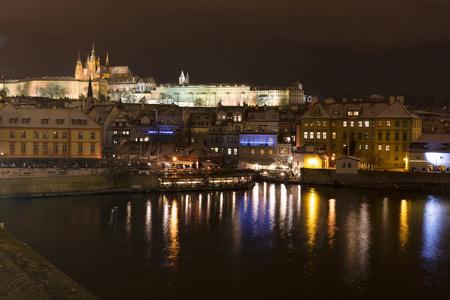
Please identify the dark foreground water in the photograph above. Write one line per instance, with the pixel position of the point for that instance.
(275, 241)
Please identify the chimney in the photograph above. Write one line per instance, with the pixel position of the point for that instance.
(391, 100)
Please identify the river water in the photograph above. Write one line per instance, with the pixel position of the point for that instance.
(274, 241)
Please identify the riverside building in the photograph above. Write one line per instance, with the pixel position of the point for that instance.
(48, 133)
(378, 132)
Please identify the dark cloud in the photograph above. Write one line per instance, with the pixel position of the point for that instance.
(333, 47)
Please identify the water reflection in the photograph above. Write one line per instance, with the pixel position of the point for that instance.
(311, 223)
(404, 227)
(148, 222)
(174, 244)
(332, 222)
(434, 217)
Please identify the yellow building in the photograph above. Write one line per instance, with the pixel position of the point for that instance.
(378, 132)
(48, 133)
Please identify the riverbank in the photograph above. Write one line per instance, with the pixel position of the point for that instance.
(389, 180)
(24, 274)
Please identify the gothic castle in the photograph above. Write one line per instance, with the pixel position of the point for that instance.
(93, 69)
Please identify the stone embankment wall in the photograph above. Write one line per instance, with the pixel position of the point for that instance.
(75, 184)
(27, 275)
(424, 181)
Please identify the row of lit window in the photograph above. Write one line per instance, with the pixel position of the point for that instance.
(261, 151)
(23, 148)
(355, 123)
(45, 135)
(124, 132)
(318, 135)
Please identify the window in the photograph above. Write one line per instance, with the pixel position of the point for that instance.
(324, 135)
(35, 148)
(360, 123)
(318, 135)
(367, 124)
(352, 123)
(324, 123)
(125, 132)
(80, 136)
(359, 147)
(229, 151)
(92, 148)
(45, 135)
(397, 136)
(333, 135)
(380, 136)
(60, 121)
(388, 123)
(380, 123)
(405, 136)
(64, 135)
(23, 147)
(44, 121)
(380, 148)
(344, 124)
(11, 148)
(344, 135)
(397, 124)
(55, 135)
(343, 165)
(270, 152)
(395, 157)
(359, 135)
(64, 148)
(235, 151)
(22, 134)
(366, 147)
(396, 148)
(366, 136)
(388, 148)
(318, 123)
(35, 135)
(44, 148)
(55, 148)
(239, 118)
(305, 135)
(306, 124)
(311, 135)
(262, 152)
(11, 134)
(405, 123)
(80, 148)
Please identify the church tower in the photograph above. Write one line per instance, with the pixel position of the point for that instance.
(79, 68)
(181, 79)
(187, 78)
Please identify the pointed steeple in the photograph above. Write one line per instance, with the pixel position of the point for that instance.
(181, 79)
(93, 51)
(187, 77)
(79, 58)
(107, 60)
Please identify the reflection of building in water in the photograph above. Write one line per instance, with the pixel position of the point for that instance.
(311, 223)
(332, 222)
(434, 218)
(404, 228)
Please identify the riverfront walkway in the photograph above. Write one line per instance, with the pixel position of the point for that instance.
(48, 172)
(24, 274)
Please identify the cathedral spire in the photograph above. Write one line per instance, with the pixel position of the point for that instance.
(79, 58)
(107, 60)
(93, 51)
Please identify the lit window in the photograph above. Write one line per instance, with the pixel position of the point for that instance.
(262, 152)
(80, 136)
(366, 147)
(380, 148)
(318, 135)
(344, 123)
(333, 135)
(366, 123)
(305, 135)
(270, 152)
(324, 135)
(229, 151)
(55, 134)
(360, 123)
(253, 151)
(359, 147)
(388, 123)
(311, 135)
(380, 123)
(45, 135)
(235, 151)
(44, 148)
(352, 123)
(388, 148)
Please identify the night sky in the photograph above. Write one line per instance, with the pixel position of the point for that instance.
(333, 47)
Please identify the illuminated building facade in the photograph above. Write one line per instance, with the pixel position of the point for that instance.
(94, 70)
(430, 152)
(257, 150)
(377, 132)
(48, 133)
